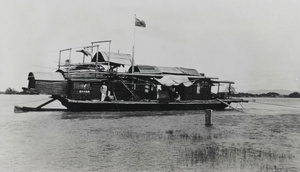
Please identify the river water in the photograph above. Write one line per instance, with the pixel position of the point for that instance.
(262, 136)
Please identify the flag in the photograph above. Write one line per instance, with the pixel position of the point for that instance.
(139, 23)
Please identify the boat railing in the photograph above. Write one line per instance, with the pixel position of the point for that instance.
(60, 52)
(97, 66)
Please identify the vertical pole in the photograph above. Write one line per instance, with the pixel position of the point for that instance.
(59, 59)
(83, 55)
(70, 55)
(132, 69)
(132, 60)
(208, 117)
(69, 62)
(92, 48)
(97, 57)
(83, 58)
(229, 90)
(109, 57)
(218, 90)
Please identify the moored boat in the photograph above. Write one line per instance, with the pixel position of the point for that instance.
(98, 85)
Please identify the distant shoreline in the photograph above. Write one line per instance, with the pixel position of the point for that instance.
(268, 95)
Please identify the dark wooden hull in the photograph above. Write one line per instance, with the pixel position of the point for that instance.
(73, 105)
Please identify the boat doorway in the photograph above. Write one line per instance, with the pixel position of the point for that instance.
(95, 91)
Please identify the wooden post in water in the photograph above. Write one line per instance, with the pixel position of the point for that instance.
(208, 117)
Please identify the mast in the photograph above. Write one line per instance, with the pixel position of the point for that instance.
(132, 60)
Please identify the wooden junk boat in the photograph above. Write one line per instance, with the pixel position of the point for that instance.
(99, 86)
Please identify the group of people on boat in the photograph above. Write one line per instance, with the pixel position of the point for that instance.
(168, 93)
(164, 93)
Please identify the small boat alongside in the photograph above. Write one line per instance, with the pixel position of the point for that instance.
(99, 85)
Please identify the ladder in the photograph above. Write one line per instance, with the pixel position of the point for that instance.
(131, 91)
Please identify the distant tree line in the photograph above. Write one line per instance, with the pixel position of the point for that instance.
(294, 95)
(270, 94)
(14, 91)
(11, 91)
(234, 93)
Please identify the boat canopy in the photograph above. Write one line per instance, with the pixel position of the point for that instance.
(146, 69)
(174, 80)
(115, 59)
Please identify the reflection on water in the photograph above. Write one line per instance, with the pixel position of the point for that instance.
(116, 115)
(261, 138)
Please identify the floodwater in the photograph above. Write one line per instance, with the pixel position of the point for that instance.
(264, 136)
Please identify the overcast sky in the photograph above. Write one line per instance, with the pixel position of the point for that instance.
(255, 43)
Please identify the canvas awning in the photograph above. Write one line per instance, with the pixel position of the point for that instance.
(174, 80)
(146, 69)
(115, 59)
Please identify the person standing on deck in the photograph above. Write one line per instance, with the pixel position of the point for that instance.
(103, 91)
(177, 97)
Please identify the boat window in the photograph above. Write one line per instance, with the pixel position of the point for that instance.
(81, 86)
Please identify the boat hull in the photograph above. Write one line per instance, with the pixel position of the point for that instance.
(73, 105)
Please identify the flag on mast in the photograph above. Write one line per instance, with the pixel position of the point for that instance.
(139, 23)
